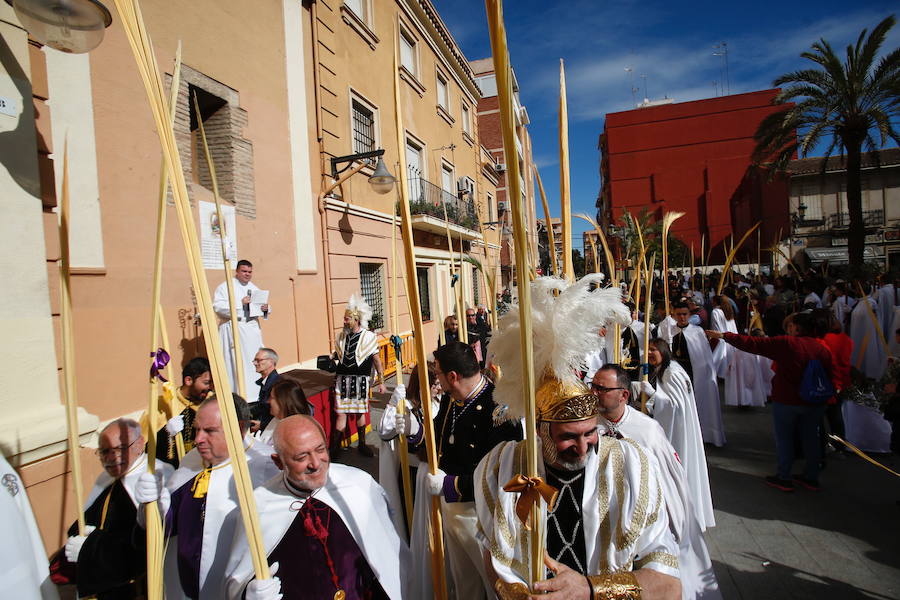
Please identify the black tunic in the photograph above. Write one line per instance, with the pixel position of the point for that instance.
(112, 563)
(681, 354)
(565, 530)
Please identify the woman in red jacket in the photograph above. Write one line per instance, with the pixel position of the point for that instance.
(841, 347)
(790, 413)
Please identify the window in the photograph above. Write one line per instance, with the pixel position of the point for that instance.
(443, 92)
(211, 115)
(424, 292)
(370, 282)
(491, 215)
(358, 7)
(408, 53)
(466, 119)
(362, 120)
(414, 158)
(811, 197)
(447, 179)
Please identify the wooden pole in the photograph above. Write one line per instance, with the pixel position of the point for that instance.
(668, 219)
(132, 23)
(645, 375)
(68, 345)
(565, 187)
(551, 237)
(703, 265)
(507, 119)
(412, 292)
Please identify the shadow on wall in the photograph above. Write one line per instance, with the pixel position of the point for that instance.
(345, 228)
(20, 164)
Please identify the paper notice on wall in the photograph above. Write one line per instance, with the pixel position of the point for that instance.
(211, 231)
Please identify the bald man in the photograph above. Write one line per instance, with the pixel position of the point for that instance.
(326, 528)
(110, 559)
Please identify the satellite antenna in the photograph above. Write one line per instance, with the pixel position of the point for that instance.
(722, 50)
(630, 72)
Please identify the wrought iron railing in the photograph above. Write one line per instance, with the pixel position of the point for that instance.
(425, 198)
(871, 218)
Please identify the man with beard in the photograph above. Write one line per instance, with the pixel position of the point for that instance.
(357, 353)
(110, 560)
(326, 528)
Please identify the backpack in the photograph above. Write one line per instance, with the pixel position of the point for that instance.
(815, 386)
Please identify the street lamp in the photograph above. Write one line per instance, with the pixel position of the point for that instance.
(72, 26)
(800, 218)
(381, 180)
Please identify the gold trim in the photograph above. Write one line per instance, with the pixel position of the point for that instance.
(663, 558)
(622, 585)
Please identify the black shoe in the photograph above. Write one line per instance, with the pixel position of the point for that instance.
(365, 450)
(785, 485)
(809, 484)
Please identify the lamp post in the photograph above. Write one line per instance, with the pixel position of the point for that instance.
(72, 26)
(381, 180)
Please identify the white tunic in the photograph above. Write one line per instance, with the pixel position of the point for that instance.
(25, 568)
(626, 525)
(674, 408)
(887, 299)
(221, 501)
(250, 336)
(706, 388)
(358, 501)
(868, 352)
(698, 579)
(740, 370)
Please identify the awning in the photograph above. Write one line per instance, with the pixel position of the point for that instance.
(838, 256)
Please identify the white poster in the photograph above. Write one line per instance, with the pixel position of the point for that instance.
(211, 231)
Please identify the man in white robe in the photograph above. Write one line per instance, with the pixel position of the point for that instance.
(698, 580)
(110, 559)
(21, 548)
(608, 524)
(887, 300)
(739, 370)
(248, 315)
(868, 351)
(197, 500)
(326, 528)
(691, 349)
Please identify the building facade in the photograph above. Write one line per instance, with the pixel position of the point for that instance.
(693, 157)
(819, 216)
(492, 138)
(282, 87)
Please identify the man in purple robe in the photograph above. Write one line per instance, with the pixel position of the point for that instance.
(326, 528)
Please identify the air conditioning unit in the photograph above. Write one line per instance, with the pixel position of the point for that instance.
(500, 167)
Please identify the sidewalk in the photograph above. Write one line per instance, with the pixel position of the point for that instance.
(842, 542)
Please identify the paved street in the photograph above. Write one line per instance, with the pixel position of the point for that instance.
(842, 542)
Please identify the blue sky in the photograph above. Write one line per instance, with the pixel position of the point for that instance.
(670, 43)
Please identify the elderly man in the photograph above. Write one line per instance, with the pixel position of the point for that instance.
(612, 387)
(264, 362)
(198, 498)
(326, 528)
(248, 313)
(110, 560)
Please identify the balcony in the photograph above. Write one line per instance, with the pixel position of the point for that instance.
(871, 218)
(427, 202)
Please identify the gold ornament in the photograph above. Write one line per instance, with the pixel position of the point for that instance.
(622, 585)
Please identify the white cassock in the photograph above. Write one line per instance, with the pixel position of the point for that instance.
(360, 503)
(706, 388)
(25, 566)
(624, 500)
(841, 307)
(674, 408)
(389, 478)
(740, 370)
(217, 529)
(250, 335)
(887, 300)
(698, 579)
(866, 340)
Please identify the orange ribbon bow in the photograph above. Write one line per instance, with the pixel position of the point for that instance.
(531, 490)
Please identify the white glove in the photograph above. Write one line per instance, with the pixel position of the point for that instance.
(435, 483)
(406, 423)
(648, 389)
(399, 394)
(74, 544)
(175, 425)
(148, 488)
(265, 589)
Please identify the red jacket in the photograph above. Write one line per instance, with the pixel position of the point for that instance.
(841, 347)
(791, 355)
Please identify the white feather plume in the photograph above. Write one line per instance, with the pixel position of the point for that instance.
(358, 304)
(565, 323)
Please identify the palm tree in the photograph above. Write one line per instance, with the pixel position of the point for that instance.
(851, 103)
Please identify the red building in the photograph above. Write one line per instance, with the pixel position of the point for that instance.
(693, 157)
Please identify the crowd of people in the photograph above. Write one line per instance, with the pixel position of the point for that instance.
(622, 486)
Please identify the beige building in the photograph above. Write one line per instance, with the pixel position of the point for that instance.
(820, 219)
(283, 87)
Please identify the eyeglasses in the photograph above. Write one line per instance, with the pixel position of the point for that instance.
(103, 452)
(603, 389)
(256, 361)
